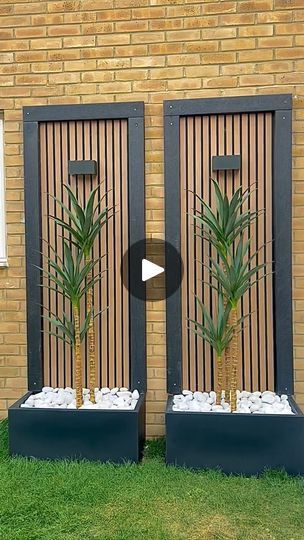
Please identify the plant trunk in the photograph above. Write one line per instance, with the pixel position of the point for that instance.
(219, 379)
(227, 373)
(91, 337)
(234, 358)
(77, 359)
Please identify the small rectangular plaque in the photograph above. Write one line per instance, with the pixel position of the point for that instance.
(226, 163)
(83, 166)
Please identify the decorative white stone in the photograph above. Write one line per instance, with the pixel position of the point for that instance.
(104, 405)
(255, 407)
(105, 390)
(194, 406)
(114, 390)
(71, 405)
(205, 407)
(46, 389)
(244, 410)
(248, 403)
(183, 406)
(268, 398)
(217, 408)
(124, 389)
(135, 394)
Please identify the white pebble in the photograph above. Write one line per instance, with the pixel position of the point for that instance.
(135, 394)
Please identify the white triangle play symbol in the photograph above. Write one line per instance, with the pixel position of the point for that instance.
(150, 270)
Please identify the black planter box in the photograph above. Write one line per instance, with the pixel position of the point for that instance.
(236, 443)
(104, 435)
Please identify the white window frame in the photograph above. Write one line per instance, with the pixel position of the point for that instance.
(3, 246)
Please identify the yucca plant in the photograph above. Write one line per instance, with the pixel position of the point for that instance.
(84, 225)
(71, 277)
(235, 276)
(221, 228)
(217, 333)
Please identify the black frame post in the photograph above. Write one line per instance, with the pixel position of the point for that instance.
(173, 236)
(33, 255)
(280, 106)
(134, 113)
(282, 246)
(137, 306)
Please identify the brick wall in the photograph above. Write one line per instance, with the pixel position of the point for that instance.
(118, 50)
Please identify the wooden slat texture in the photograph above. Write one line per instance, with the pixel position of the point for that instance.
(105, 141)
(201, 138)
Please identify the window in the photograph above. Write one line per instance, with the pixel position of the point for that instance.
(3, 254)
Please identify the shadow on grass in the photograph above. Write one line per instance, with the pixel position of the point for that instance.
(155, 449)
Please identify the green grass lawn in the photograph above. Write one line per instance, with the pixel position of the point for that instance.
(85, 501)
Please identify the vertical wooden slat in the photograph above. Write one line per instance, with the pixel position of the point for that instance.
(71, 180)
(111, 228)
(198, 244)
(103, 247)
(233, 178)
(86, 182)
(269, 254)
(253, 289)
(64, 153)
(125, 232)
(94, 182)
(44, 231)
(58, 245)
(261, 254)
(117, 255)
(184, 292)
(246, 298)
(205, 194)
(216, 146)
(190, 200)
(51, 241)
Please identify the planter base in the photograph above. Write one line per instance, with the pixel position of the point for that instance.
(104, 435)
(236, 443)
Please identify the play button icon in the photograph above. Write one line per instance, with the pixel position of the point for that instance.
(151, 269)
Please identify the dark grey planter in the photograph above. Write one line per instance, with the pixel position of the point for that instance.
(104, 435)
(236, 443)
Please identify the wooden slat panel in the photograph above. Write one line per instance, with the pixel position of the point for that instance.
(44, 232)
(249, 135)
(190, 247)
(106, 142)
(198, 245)
(184, 227)
(269, 253)
(246, 335)
(125, 233)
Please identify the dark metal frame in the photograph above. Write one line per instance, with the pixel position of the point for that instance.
(280, 106)
(134, 113)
